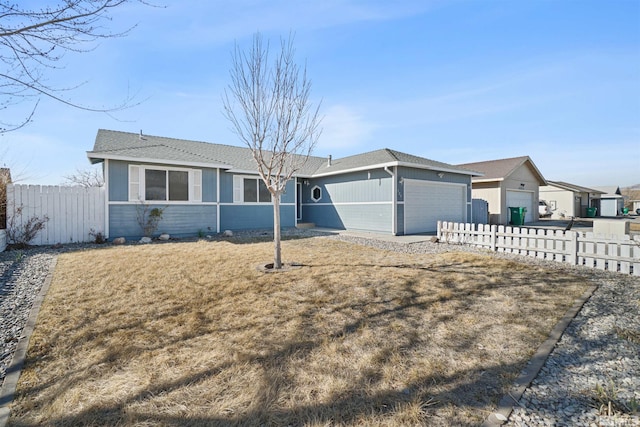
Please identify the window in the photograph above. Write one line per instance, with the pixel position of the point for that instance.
(250, 190)
(174, 185)
(316, 193)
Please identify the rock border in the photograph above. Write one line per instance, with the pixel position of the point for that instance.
(535, 364)
(14, 370)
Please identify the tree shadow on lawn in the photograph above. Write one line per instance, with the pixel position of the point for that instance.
(435, 397)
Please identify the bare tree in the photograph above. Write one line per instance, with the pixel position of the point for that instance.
(269, 107)
(35, 39)
(85, 178)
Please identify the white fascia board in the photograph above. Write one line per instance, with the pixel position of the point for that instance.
(255, 172)
(441, 169)
(391, 164)
(487, 180)
(97, 157)
(358, 169)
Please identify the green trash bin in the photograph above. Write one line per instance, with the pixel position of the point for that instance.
(591, 212)
(625, 211)
(517, 215)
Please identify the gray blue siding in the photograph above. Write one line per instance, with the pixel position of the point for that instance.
(355, 201)
(177, 220)
(357, 187)
(256, 216)
(209, 185)
(369, 217)
(118, 181)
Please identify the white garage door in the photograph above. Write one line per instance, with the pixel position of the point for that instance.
(519, 199)
(426, 203)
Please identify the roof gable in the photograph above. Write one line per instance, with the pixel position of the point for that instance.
(501, 169)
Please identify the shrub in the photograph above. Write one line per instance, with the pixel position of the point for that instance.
(98, 236)
(22, 234)
(148, 218)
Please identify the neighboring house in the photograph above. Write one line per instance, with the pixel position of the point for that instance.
(207, 188)
(506, 183)
(570, 200)
(611, 201)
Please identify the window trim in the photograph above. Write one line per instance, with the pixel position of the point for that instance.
(238, 190)
(137, 183)
(316, 200)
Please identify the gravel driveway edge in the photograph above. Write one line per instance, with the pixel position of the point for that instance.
(17, 362)
(534, 366)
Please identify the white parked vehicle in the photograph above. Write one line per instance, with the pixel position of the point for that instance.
(544, 210)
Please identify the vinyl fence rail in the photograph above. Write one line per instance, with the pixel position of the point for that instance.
(73, 212)
(611, 253)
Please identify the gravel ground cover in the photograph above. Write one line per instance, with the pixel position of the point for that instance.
(592, 378)
(22, 274)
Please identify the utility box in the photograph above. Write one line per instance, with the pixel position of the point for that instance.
(610, 227)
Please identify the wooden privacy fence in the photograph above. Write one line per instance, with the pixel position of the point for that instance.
(73, 212)
(612, 253)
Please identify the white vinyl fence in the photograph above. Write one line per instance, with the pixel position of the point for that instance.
(73, 212)
(612, 253)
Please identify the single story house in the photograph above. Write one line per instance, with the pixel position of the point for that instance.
(570, 200)
(611, 201)
(208, 188)
(506, 183)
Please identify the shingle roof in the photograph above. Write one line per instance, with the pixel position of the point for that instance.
(110, 144)
(386, 156)
(610, 191)
(126, 145)
(573, 187)
(498, 170)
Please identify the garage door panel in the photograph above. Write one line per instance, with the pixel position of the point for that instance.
(426, 203)
(521, 199)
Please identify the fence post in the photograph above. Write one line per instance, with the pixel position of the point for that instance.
(635, 253)
(572, 256)
(493, 236)
(438, 232)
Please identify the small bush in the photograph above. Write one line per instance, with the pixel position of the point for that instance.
(22, 234)
(98, 236)
(148, 218)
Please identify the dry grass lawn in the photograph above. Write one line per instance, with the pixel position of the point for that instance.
(193, 334)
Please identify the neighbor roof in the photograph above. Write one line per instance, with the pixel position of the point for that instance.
(573, 187)
(611, 191)
(499, 170)
(118, 145)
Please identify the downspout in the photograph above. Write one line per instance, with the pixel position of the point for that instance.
(105, 175)
(394, 198)
(218, 200)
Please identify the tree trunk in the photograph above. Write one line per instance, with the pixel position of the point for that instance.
(277, 261)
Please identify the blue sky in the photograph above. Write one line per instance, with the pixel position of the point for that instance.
(453, 81)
